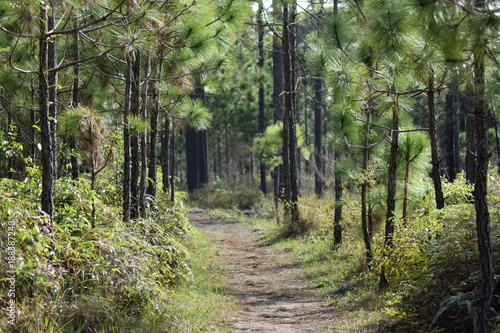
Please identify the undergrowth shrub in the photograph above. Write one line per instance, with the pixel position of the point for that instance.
(433, 267)
(115, 276)
(219, 196)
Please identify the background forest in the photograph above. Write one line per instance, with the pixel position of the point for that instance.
(367, 127)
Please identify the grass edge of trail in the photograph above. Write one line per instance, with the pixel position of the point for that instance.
(203, 305)
(335, 275)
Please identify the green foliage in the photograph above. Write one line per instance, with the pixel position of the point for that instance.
(192, 111)
(268, 146)
(221, 196)
(114, 277)
(432, 267)
(459, 191)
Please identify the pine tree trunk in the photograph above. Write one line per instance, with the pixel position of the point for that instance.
(143, 139)
(365, 226)
(277, 97)
(153, 139)
(46, 123)
(337, 218)
(197, 151)
(391, 190)
(126, 143)
(135, 171)
(436, 177)
(172, 165)
(52, 80)
(487, 283)
(290, 156)
(262, 120)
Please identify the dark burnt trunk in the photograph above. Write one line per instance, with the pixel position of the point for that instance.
(436, 177)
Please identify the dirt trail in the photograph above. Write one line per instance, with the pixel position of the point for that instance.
(271, 298)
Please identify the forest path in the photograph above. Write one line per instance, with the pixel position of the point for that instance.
(271, 298)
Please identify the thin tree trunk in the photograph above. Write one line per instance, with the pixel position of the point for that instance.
(365, 226)
(172, 165)
(52, 80)
(337, 227)
(134, 139)
(126, 143)
(48, 153)
(143, 139)
(436, 177)
(391, 190)
(153, 139)
(262, 120)
(277, 97)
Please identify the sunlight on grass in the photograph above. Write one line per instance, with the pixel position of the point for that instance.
(338, 275)
(202, 306)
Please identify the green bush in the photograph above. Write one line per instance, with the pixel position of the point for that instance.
(111, 277)
(433, 267)
(218, 196)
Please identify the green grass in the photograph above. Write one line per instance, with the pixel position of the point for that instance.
(202, 305)
(336, 275)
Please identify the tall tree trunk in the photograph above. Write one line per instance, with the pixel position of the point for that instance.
(143, 138)
(172, 164)
(197, 151)
(153, 139)
(52, 79)
(47, 123)
(436, 177)
(277, 96)
(487, 283)
(290, 156)
(391, 190)
(135, 171)
(262, 119)
(365, 225)
(126, 142)
(337, 218)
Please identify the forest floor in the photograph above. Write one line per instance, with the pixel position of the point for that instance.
(271, 296)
